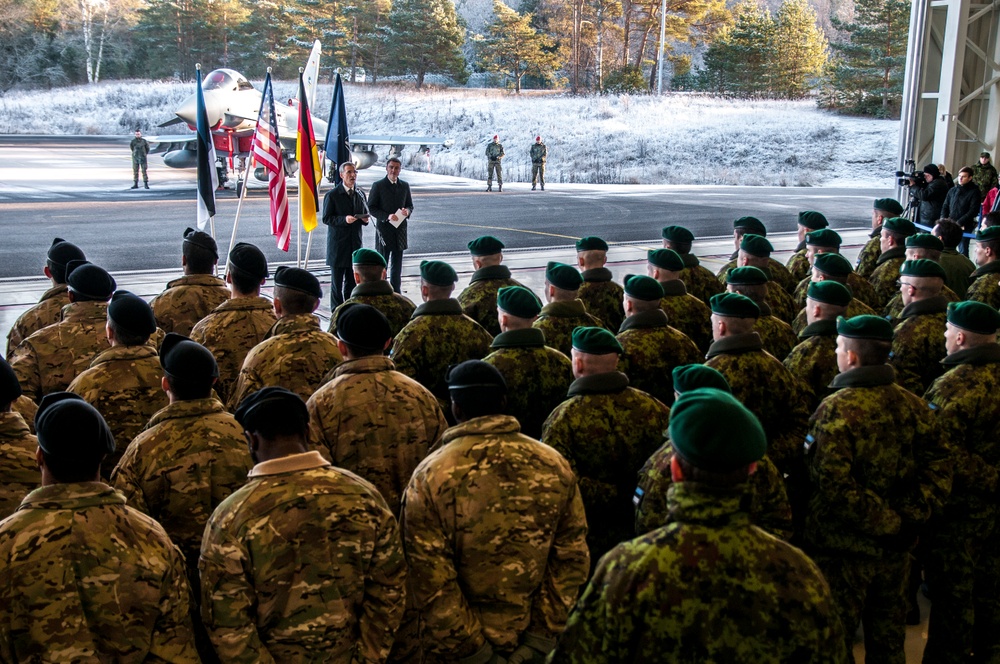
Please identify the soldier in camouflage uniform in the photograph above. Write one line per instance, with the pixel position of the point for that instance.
(651, 348)
(684, 311)
(957, 268)
(526, 517)
(601, 295)
(884, 208)
(878, 469)
(698, 279)
(369, 418)
(51, 358)
(886, 272)
(757, 379)
(985, 286)
(755, 251)
(962, 543)
(537, 375)
(984, 174)
(606, 430)
(799, 264)
(190, 298)
(50, 306)
(564, 311)
(827, 241)
(240, 323)
(18, 470)
(479, 299)
(439, 334)
(123, 382)
(710, 586)
(538, 154)
(86, 577)
(139, 147)
(741, 227)
(375, 291)
(814, 360)
(494, 153)
(918, 340)
(305, 560)
(769, 508)
(919, 246)
(295, 354)
(832, 267)
(775, 334)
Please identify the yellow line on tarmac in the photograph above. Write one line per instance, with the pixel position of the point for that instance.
(500, 228)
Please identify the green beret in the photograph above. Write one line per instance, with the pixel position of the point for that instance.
(367, 257)
(974, 316)
(750, 225)
(518, 301)
(73, 431)
(756, 245)
(131, 314)
(595, 341)
(475, 374)
(900, 226)
(713, 431)
(247, 258)
(678, 234)
(89, 281)
(824, 237)
(438, 273)
(297, 279)
(829, 292)
(865, 327)
(273, 404)
(183, 359)
(10, 387)
(888, 205)
(666, 259)
(486, 245)
(812, 220)
(689, 377)
(925, 241)
(734, 305)
(590, 243)
(563, 276)
(201, 239)
(987, 234)
(746, 276)
(641, 287)
(362, 325)
(922, 267)
(832, 264)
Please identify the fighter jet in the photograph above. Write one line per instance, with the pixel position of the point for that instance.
(232, 104)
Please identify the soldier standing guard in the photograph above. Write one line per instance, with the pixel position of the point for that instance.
(538, 154)
(494, 153)
(140, 148)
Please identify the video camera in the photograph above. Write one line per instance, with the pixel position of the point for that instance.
(910, 176)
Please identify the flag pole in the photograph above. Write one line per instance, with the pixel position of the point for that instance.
(309, 243)
(239, 208)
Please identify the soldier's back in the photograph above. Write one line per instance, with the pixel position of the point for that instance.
(558, 320)
(855, 308)
(187, 300)
(985, 286)
(479, 298)
(918, 347)
(776, 335)
(691, 316)
(814, 362)
(869, 255)
(699, 280)
(537, 378)
(397, 308)
(885, 275)
(603, 297)
(19, 472)
(798, 265)
(47, 312)
(651, 353)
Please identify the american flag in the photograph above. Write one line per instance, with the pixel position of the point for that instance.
(267, 152)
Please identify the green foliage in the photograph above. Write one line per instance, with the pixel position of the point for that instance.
(426, 37)
(513, 48)
(800, 50)
(626, 80)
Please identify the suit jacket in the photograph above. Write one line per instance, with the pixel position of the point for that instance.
(343, 238)
(384, 199)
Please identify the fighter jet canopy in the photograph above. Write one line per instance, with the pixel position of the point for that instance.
(227, 80)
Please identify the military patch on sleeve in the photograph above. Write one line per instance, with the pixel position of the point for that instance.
(637, 498)
(808, 444)
(932, 405)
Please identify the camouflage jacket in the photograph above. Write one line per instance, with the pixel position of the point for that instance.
(958, 270)
(558, 320)
(781, 303)
(494, 151)
(687, 313)
(652, 350)
(607, 430)
(479, 299)
(603, 297)
(187, 300)
(397, 308)
(374, 421)
(303, 563)
(27, 409)
(984, 286)
(918, 344)
(51, 358)
(139, 148)
(775, 334)
(295, 354)
(877, 464)
(538, 153)
(47, 312)
(766, 500)
(859, 287)
(869, 254)
(124, 384)
(19, 474)
(438, 336)
(491, 499)
(230, 331)
(814, 360)
(855, 308)
(775, 270)
(886, 274)
(766, 387)
(83, 577)
(968, 412)
(698, 279)
(537, 376)
(190, 457)
(893, 312)
(658, 598)
(798, 265)
(985, 177)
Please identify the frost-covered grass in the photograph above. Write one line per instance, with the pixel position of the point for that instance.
(681, 138)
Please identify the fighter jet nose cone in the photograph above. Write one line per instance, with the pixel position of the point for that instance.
(188, 111)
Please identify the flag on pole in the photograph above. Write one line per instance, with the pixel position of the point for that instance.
(309, 169)
(208, 178)
(267, 152)
(338, 139)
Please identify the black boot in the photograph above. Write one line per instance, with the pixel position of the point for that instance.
(499, 187)
(146, 185)
(532, 187)
(135, 185)
(489, 187)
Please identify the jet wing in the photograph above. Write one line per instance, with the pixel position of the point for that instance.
(172, 143)
(363, 139)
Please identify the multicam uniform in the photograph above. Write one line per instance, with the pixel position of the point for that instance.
(479, 299)
(47, 312)
(187, 300)
(603, 297)
(19, 472)
(651, 351)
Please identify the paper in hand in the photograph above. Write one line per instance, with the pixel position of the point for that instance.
(400, 218)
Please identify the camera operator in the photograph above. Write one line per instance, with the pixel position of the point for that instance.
(929, 193)
(962, 205)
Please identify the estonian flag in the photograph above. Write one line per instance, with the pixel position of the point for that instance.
(208, 177)
(337, 137)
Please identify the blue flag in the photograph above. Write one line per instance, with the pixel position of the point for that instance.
(208, 177)
(338, 139)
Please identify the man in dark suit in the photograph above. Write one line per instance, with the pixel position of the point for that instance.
(387, 197)
(345, 211)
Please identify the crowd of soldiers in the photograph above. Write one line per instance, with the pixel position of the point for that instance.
(743, 467)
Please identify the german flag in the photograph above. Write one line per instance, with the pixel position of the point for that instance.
(307, 155)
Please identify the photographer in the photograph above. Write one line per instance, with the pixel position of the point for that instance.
(930, 193)
(962, 205)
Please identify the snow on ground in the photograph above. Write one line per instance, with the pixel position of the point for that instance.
(680, 138)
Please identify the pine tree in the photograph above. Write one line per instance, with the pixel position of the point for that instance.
(426, 37)
(512, 47)
(740, 61)
(800, 49)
